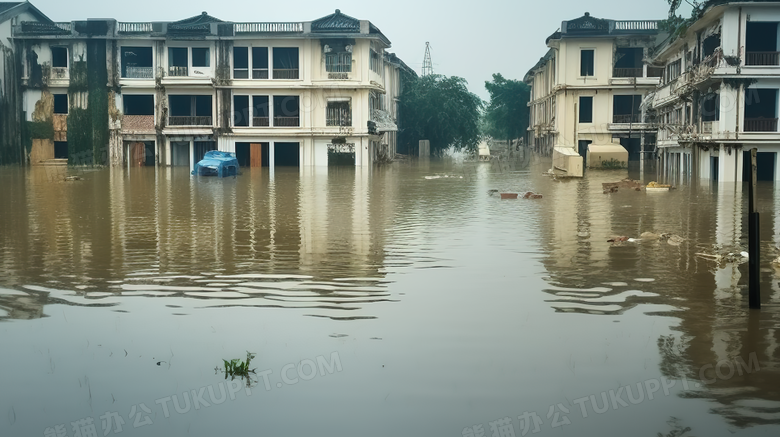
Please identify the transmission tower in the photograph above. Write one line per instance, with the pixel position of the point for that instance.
(427, 67)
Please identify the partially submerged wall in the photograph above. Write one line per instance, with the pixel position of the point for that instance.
(11, 127)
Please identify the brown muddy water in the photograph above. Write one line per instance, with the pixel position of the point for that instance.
(395, 301)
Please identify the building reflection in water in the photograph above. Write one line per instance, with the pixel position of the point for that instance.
(309, 238)
(587, 274)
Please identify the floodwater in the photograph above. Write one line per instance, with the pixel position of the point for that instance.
(401, 300)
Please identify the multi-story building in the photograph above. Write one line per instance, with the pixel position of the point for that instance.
(586, 93)
(164, 93)
(719, 94)
(11, 14)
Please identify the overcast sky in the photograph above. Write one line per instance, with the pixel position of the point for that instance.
(472, 40)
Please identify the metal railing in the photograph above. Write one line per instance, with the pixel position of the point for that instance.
(190, 120)
(760, 125)
(762, 58)
(627, 72)
(139, 72)
(262, 73)
(636, 25)
(338, 76)
(261, 121)
(177, 71)
(285, 73)
(286, 121)
(338, 117)
(267, 27)
(626, 118)
(134, 27)
(240, 73)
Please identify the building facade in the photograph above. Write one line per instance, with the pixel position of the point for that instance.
(586, 94)
(163, 93)
(719, 94)
(12, 14)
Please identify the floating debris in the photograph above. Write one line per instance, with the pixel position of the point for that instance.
(613, 187)
(509, 195)
(656, 187)
(72, 178)
(531, 195)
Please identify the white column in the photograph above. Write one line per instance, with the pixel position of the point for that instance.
(271, 157)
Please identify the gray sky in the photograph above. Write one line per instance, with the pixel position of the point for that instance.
(470, 40)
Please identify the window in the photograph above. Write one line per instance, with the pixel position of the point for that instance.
(625, 109)
(286, 111)
(241, 111)
(138, 104)
(260, 62)
(59, 57)
(285, 62)
(586, 110)
(673, 70)
(338, 62)
(586, 62)
(710, 107)
(376, 62)
(261, 113)
(338, 113)
(177, 61)
(200, 57)
(189, 110)
(137, 62)
(240, 63)
(60, 103)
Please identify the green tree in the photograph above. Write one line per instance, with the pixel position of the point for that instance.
(439, 109)
(506, 117)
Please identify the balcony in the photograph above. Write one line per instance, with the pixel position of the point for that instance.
(762, 58)
(178, 71)
(760, 125)
(140, 72)
(627, 72)
(257, 73)
(59, 73)
(627, 118)
(706, 127)
(636, 25)
(261, 121)
(262, 73)
(194, 120)
(286, 121)
(286, 73)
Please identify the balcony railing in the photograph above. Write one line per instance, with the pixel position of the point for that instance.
(59, 72)
(66, 26)
(240, 73)
(267, 27)
(177, 71)
(636, 25)
(627, 72)
(262, 73)
(338, 76)
(706, 127)
(139, 72)
(286, 121)
(655, 71)
(762, 58)
(134, 27)
(190, 120)
(627, 118)
(261, 121)
(286, 73)
(760, 125)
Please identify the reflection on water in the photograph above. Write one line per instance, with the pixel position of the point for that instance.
(439, 298)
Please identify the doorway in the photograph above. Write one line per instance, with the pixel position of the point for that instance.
(765, 163)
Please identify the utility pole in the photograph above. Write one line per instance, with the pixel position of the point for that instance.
(754, 238)
(427, 67)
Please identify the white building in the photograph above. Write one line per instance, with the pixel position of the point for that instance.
(11, 14)
(586, 94)
(296, 93)
(719, 94)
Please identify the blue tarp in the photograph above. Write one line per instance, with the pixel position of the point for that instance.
(216, 163)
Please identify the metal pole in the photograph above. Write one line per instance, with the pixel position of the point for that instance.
(754, 239)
